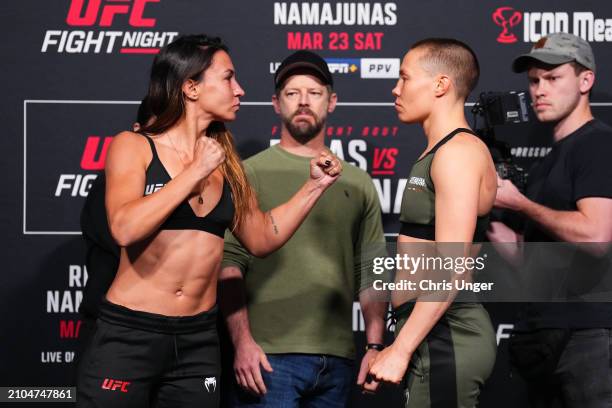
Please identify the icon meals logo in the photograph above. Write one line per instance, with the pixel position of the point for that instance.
(507, 17)
(538, 24)
(106, 14)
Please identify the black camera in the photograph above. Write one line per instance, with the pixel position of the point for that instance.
(502, 108)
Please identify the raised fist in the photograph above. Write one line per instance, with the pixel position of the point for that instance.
(325, 169)
(207, 156)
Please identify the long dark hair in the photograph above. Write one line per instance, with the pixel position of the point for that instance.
(187, 58)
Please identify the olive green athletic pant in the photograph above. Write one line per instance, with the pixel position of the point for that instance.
(450, 366)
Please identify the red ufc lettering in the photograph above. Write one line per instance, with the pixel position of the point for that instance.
(137, 19)
(76, 8)
(88, 160)
(385, 158)
(109, 11)
(110, 384)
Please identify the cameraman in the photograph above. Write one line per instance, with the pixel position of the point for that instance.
(564, 350)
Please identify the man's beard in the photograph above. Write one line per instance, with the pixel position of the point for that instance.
(303, 131)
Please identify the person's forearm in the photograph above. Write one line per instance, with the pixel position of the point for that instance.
(423, 318)
(511, 252)
(568, 226)
(374, 312)
(284, 220)
(276, 226)
(232, 302)
(138, 219)
(507, 242)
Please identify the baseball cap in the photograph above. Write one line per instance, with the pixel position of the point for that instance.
(303, 61)
(557, 49)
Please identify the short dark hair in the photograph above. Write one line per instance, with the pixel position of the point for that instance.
(454, 58)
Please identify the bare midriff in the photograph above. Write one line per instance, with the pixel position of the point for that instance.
(399, 297)
(172, 273)
(416, 247)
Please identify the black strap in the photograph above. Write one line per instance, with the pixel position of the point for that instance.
(441, 143)
(153, 150)
(449, 137)
(152, 144)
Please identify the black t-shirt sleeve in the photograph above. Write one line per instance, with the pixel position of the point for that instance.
(94, 223)
(592, 168)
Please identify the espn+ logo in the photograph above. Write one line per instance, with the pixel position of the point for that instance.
(106, 14)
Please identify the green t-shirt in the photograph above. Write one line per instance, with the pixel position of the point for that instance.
(300, 298)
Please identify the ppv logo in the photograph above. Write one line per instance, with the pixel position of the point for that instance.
(506, 17)
(76, 17)
(380, 68)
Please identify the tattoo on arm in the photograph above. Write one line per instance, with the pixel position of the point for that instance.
(273, 222)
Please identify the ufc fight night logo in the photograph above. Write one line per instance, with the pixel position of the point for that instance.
(93, 159)
(106, 14)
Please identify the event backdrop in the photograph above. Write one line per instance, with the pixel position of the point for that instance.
(74, 71)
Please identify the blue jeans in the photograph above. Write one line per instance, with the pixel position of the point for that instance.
(302, 380)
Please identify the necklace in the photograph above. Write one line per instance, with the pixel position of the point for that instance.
(200, 198)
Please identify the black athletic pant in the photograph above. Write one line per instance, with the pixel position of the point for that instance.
(582, 377)
(138, 359)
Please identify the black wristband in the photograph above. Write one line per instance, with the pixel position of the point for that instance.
(374, 346)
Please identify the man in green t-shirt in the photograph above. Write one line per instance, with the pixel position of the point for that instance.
(289, 315)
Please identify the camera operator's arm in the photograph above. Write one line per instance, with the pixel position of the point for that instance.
(591, 222)
(588, 175)
(507, 242)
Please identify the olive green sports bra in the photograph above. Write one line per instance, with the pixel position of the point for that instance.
(418, 213)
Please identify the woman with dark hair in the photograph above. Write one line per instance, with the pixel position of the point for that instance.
(171, 191)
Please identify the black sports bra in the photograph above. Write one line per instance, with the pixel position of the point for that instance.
(183, 217)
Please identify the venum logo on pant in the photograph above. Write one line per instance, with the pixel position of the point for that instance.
(210, 383)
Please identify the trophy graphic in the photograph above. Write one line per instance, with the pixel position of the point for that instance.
(507, 17)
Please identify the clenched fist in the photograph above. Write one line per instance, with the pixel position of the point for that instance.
(325, 169)
(207, 156)
(389, 366)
